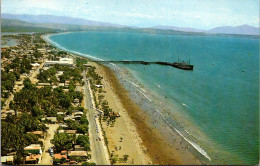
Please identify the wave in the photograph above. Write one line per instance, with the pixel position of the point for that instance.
(196, 146)
(141, 89)
(145, 96)
(185, 105)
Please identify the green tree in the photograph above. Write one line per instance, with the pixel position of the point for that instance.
(36, 111)
(62, 141)
(27, 83)
(83, 140)
(82, 129)
(83, 119)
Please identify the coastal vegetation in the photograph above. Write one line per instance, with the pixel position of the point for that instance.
(96, 85)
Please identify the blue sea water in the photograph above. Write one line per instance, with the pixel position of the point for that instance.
(217, 103)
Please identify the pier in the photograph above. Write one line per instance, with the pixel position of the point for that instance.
(180, 65)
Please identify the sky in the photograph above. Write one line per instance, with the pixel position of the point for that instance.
(200, 14)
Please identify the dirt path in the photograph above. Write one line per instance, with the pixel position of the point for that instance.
(46, 158)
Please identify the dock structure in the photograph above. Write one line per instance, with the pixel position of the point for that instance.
(180, 65)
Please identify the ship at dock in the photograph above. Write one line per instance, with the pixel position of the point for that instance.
(183, 65)
(180, 65)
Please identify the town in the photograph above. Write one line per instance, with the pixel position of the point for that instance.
(52, 107)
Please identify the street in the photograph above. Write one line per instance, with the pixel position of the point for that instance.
(46, 157)
(98, 154)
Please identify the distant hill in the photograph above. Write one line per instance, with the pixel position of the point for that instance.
(13, 25)
(58, 20)
(183, 29)
(238, 30)
(241, 30)
(60, 23)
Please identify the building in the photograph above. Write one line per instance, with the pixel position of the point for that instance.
(35, 65)
(11, 112)
(67, 82)
(63, 125)
(60, 113)
(42, 50)
(43, 84)
(68, 131)
(99, 86)
(76, 100)
(78, 148)
(78, 113)
(62, 61)
(60, 156)
(69, 117)
(52, 119)
(38, 133)
(33, 149)
(7, 159)
(32, 159)
(82, 154)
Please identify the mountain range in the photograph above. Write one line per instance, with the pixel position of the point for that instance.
(58, 20)
(69, 23)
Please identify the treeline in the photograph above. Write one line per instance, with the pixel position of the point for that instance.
(102, 104)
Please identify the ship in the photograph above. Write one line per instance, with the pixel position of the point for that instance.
(180, 65)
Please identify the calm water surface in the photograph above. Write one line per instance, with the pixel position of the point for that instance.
(219, 100)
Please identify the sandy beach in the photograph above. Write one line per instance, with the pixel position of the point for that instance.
(144, 142)
(124, 127)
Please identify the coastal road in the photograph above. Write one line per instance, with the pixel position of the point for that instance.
(98, 151)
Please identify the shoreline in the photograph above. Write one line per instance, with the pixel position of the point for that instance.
(160, 151)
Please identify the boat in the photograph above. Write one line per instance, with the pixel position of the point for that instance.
(180, 65)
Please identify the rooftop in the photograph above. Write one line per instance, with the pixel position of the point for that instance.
(78, 153)
(33, 157)
(37, 132)
(33, 147)
(5, 159)
(59, 156)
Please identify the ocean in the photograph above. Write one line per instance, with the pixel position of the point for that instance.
(215, 107)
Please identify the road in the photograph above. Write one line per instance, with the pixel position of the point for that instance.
(99, 154)
(46, 157)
